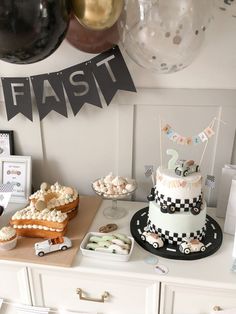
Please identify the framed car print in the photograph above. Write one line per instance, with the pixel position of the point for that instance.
(6, 143)
(17, 170)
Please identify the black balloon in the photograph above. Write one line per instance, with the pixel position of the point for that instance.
(31, 30)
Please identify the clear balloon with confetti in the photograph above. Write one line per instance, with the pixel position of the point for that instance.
(165, 36)
(228, 7)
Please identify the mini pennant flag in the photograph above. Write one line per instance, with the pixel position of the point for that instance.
(5, 194)
(175, 137)
(210, 181)
(181, 140)
(6, 188)
(170, 133)
(203, 137)
(234, 266)
(196, 140)
(209, 132)
(189, 140)
(148, 170)
(166, 128)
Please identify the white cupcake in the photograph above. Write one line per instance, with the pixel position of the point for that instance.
(8, 238)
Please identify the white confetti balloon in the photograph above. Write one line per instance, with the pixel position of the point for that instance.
(165, 35)
(227, 6)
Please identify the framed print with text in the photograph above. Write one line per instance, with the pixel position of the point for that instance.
(6, 143)
(18, 171)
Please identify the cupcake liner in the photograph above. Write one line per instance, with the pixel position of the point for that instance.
(8, 245)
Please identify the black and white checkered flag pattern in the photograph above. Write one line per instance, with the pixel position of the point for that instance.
(6, 188)
(176, 238)
(181, 205)
(210, 181)
(148, 170)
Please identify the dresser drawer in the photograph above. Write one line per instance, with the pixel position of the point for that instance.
(188, 299)
(14, 284)
(58, 290)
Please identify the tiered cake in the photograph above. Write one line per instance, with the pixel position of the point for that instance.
(175, 224)
(176, 209)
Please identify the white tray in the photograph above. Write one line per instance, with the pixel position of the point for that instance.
(104, 255)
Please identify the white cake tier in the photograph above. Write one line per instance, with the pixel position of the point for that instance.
(180, 224)
(169, 185)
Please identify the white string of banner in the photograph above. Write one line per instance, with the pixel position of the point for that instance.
(161, 152)
(201, 137)
(204, 150)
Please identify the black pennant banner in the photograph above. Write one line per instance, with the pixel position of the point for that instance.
(17, 96)
(80, 87)
(111, 73)
(49, 94)
(106, 71)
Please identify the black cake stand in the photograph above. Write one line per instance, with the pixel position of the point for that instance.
(212, 239)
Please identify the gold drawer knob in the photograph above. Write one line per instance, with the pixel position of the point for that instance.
(217, 308)
(104, 296)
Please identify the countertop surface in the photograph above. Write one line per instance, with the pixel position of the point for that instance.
(214, 270)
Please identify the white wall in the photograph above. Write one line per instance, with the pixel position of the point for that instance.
(79, 149)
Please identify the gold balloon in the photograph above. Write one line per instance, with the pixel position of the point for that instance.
(97, 14)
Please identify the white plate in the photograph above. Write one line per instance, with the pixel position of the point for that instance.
(104, 255)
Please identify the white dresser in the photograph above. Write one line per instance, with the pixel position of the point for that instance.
(190, 287)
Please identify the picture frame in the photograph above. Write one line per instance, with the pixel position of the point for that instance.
(6, 143)
(17, 170)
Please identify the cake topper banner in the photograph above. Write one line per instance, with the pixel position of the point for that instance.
(81, 83)
(188, 140)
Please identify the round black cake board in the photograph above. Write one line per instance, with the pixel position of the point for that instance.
(212, 240)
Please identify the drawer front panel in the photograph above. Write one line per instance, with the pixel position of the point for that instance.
(14, 284)
(7, 308)
(58, 290)
(187, 299)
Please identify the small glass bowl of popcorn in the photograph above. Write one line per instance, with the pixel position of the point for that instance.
(114, 188)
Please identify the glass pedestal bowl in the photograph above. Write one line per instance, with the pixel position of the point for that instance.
(114, 211)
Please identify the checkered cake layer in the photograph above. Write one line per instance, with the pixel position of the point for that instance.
(175, 238)
(181, 205)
